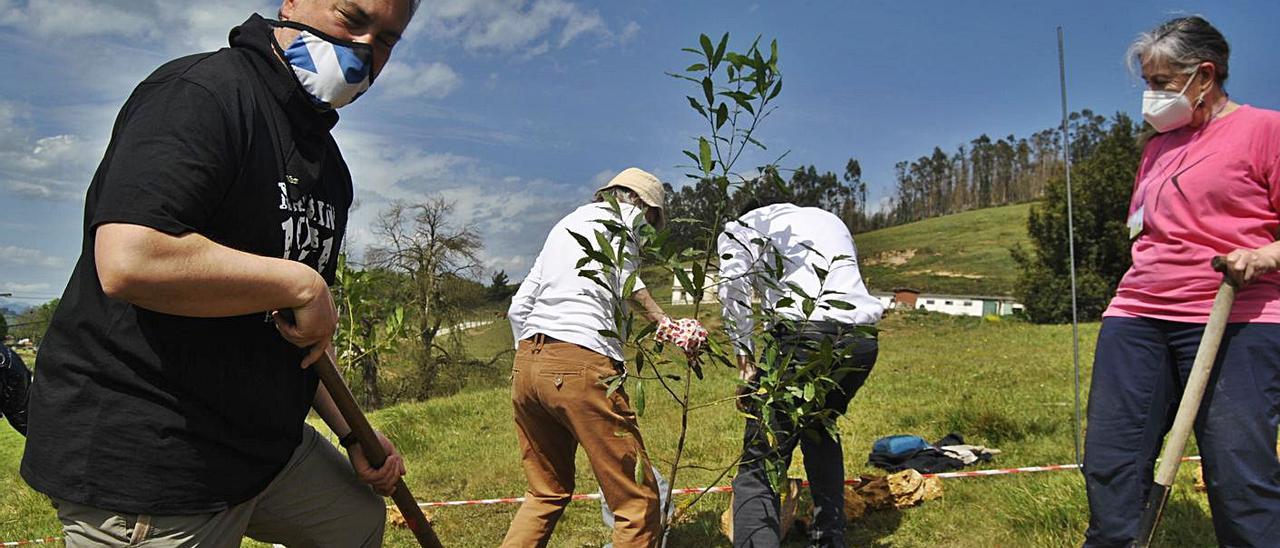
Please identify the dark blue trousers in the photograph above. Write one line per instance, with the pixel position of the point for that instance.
(756, 509)
(1140, 368)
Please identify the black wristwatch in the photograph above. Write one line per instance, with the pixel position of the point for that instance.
(348, 440)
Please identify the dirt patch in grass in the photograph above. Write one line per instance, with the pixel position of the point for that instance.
(947, 274)
(896, 257)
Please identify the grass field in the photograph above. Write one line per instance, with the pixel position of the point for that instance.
(966, 253)
(999, 383)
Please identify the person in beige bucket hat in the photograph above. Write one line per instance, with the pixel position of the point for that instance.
(557, 393)
(648, 191)
(647, 188)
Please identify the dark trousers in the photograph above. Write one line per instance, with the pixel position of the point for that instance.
(1140, 368)
(755, 503)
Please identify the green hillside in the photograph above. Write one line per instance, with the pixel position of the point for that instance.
(936, 374)
(966, 253)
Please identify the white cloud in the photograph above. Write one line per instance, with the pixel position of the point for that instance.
(21, 256)
(512, 213)
(14, 287)
(56, 167)
(201, 24)
(511, 26)
(427, 80)
(604, 176)
(629, 32)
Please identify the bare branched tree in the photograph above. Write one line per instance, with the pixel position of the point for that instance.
(436, 254)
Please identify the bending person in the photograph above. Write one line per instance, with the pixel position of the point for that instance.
(801, 240)
(1209, 184)
(169, 407)
(561, 358)
(15, 381)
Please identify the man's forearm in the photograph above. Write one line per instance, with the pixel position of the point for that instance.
(648, 307)
(191, 275)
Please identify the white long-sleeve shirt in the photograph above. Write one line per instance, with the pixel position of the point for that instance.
(555, 301)
(804, 238)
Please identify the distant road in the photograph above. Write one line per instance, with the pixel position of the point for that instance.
(464, 326)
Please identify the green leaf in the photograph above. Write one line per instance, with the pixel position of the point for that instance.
(752, 140)
(640, 398)
(682, 276)
(614, 383)
(607, 249)
(799, 290)
(719, 54)
(842, 305)
(696, 67)
(709, 91)
(707, 48)
(628, 287)
(722, 115)
(594, 276)
(704, 154)
(648, 330)
(777, 88)
(639, 471)
(608, 333)
(583, 242)
(696, 105)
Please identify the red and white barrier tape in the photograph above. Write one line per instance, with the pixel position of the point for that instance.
(46, 540)
(728, 489)
(686, 491)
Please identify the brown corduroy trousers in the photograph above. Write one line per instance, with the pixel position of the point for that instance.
(560, 402)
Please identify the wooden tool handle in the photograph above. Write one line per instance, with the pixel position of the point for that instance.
(373, 451)
(1183, 422)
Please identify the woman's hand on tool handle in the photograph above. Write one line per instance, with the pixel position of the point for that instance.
(382, 479)
(1247, 265)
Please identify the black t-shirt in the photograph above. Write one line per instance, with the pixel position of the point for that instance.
(142, 412)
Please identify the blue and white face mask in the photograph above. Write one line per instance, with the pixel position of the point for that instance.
(333, 72)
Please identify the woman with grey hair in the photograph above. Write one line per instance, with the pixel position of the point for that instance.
(1208, 185)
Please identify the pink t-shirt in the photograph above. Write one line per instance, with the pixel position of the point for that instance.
(1204, 192)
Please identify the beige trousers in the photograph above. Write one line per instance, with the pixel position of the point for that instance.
(316, 500)
(560, 403)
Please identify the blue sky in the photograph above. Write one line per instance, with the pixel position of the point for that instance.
(516, 109)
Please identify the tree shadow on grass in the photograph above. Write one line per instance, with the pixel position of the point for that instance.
(873, 528)
(701, 529)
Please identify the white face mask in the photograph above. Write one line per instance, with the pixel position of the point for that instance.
(333, 72)
(1167, 110)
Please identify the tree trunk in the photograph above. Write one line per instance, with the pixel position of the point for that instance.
(427, 366)
(369, 372)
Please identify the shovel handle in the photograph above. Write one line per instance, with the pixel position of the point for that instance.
(1197, 381)
(372, 449)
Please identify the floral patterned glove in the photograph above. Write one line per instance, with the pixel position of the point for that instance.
(686, 333)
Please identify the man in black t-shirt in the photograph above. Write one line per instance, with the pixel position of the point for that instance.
(172, 388)
(14, 382)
